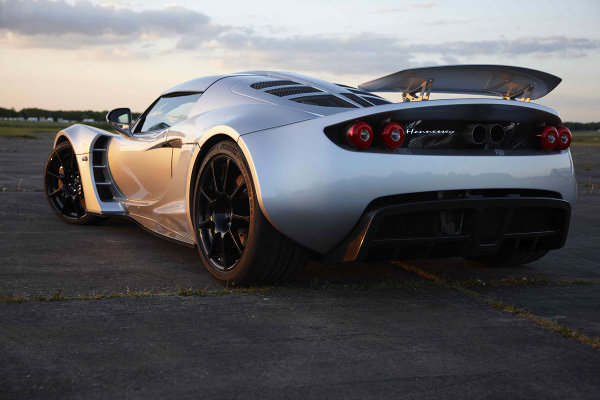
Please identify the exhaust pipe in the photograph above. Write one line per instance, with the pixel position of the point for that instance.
(475, 134)
(495, 134)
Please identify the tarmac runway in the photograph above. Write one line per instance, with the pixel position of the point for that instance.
(110, 311)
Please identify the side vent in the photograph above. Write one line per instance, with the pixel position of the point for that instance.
(327, 100)
(291, 90)
(268, 84)
(105, 187)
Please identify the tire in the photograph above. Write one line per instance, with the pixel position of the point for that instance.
(63, 189)
(236, 242)
(509, 259)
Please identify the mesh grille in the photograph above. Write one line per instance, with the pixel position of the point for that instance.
(288, 91)
(327, 100)
(267, 84)
(377, 100)
(357, 99)
(363, 93)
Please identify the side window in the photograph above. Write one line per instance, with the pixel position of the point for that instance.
(166, 112)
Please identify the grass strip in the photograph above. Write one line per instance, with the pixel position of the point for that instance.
(315, 285)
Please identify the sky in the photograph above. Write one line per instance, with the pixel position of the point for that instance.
(104, 54)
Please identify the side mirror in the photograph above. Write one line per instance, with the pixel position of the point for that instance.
(120, 120)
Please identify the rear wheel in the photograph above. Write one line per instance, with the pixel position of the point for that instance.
(236, 242)
(63, 187)
(510, 259)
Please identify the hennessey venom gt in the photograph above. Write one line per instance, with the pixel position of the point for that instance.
(263, 171)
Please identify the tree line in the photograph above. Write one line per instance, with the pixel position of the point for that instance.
(57, 114)
(101, 115)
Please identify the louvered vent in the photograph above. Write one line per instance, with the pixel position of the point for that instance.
(327, 100)
(288, 91)
(357, 99)
(105, 186)
(376, 100)
(268, 84)
(363, 93)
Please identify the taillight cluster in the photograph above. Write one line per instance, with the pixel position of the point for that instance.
(552, 138)
(360, 135)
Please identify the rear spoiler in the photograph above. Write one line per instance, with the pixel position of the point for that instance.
(500, 80)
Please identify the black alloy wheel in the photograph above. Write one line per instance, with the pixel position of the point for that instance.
(236, 242)
(63, 186)
(223, 217)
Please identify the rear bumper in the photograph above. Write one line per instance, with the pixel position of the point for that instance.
(315, 192)
(458, 223)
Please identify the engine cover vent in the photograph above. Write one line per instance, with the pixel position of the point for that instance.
(376, 100)
(327, 100)
(357, 99)
(268, 84)
(289, 91)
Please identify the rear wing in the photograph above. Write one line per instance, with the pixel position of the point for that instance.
(500, 80)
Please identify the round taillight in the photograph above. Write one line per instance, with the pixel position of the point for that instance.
(549, 138)
(360, 135)
(393, 135)
(564, 138)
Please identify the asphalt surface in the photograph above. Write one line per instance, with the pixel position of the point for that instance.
(340, 331)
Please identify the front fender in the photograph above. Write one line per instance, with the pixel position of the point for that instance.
(82, 138)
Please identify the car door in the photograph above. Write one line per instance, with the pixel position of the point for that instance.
(141, 164)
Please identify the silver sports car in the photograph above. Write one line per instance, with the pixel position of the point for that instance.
(262, 171)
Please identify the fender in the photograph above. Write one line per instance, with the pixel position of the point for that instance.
(82, 138)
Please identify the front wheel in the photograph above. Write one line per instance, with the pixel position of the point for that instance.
(237, 244)
(63, 187)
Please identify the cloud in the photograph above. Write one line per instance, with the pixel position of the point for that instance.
(174, 29)
(57, 18)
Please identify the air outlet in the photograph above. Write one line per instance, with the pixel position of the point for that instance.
(288, 91)
(357, 99)
(376, 100)
(268, 84)
(363, 93)
(326, 100)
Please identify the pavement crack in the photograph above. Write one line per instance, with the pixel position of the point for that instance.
(553, 325)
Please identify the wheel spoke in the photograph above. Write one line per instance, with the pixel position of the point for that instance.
(66, 207)
(225, 177)
(237, 246)
(77, 207)
(60, 160)
(212, 168)
(237, 189)
(215, 246)
(207, 197)
(241, 217)
(205, 222)
(56, 192)
(52, 174)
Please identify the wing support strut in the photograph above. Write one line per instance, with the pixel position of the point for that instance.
(424, 88)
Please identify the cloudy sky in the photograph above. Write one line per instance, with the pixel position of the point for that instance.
(103, 54)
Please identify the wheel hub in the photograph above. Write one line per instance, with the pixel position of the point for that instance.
(71, 186)
(221, 216)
